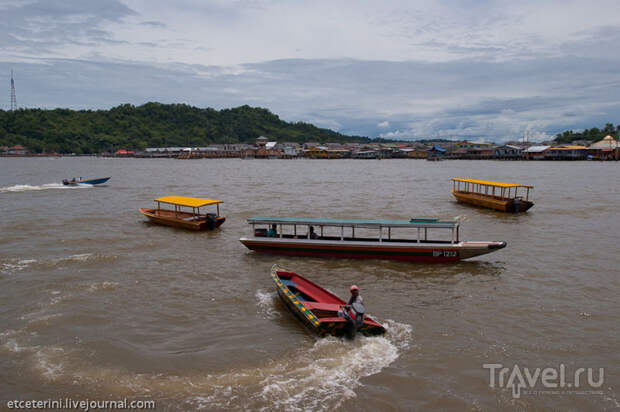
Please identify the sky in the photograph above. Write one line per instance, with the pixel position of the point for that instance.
(473, 69)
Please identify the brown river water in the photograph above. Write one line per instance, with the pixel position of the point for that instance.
(99, 304)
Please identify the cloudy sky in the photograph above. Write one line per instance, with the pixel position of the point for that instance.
(483, 70)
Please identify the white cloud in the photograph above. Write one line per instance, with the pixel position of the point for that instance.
(383, 124)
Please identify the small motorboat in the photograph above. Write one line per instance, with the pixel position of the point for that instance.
(188, 218)
(83, 181)
(492, 195)
(320, 310)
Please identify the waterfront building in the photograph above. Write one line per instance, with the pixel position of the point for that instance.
(365, 154)
(17, 150)
(569, 152)
(508, 152)
(535, 152)
(436, 152)
(606, 149)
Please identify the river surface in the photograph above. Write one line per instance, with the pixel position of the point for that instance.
(99, 304)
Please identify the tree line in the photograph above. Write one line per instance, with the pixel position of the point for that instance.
(593, 135)
(151, 125)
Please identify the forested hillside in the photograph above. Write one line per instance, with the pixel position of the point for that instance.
(151, 125)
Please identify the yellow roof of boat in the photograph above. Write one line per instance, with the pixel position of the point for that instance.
(490, 183)
(187, 201)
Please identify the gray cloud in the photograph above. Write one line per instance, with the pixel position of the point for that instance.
(494, 101)
(156, 24)
(40, 26)
(400, 69)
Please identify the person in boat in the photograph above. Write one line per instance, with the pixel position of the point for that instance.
(354, 310)
(355, 296)
(273, 231)
(313, 234)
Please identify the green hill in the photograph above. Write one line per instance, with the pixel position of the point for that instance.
(151, 125)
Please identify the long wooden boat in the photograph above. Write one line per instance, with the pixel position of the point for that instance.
(418, 240)
(319, 309)
(178, 217)
(500, 196)
(81, 180)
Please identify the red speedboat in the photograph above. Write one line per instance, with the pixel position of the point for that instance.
(320, 310)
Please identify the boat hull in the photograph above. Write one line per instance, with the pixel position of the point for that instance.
(320, 321)
(179, 220)
(491, 202)
(86, 182)
(409, 252)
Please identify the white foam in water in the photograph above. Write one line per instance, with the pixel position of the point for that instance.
(266, 307)
(320, 376)
(26, 188)
(79, 258)
(48, 363)
(331, 370)
(9, 341)
(105, 285)
(327, 374)
(15, 265)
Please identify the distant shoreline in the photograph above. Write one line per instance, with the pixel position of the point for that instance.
(59, 155)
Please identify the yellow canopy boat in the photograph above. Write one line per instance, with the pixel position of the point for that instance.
(492, 195)
(183, 218)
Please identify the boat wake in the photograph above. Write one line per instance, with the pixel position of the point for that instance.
(13, 265)
(326, 375)
(266, 304)
(321, 376)
(318, 375)
(47, 186)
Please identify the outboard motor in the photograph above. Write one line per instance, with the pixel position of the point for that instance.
(65, 182)
(211, 218)
(355, 322)
(516, 204)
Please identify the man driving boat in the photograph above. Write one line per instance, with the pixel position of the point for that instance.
(355, 296)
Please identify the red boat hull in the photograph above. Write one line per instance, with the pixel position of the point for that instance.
(316, 307)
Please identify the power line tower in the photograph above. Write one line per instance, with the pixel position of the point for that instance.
(13, 96)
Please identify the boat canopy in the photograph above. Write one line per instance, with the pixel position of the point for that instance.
(187, 201)
(490, 183)
(376, 224)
